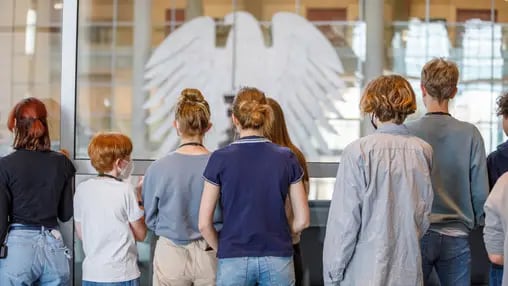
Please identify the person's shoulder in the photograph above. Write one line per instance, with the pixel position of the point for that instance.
(419, 143)
(416, 124)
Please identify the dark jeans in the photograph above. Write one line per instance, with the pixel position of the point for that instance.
(297, 260)
(496, 275)
(450, 256)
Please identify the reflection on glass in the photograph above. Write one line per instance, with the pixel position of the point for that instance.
(30, 57)
(478, 51)
(312, 70)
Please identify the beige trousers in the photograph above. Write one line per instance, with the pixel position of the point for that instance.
(183, 265)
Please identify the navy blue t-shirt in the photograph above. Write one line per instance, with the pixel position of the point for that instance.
(254, 176)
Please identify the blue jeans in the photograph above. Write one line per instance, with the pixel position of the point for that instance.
(262, 271)
(35, 257)
(496, 275)
(134, 282)
(450, 256)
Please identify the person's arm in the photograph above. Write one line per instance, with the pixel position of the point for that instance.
(79, 233)
(65, 206)
(209, 200)
(5, 206)
(478, 178)
(344, 219)
(135, 216)
(493, 233)
(150, 200)
(138, 229)
(299, 206)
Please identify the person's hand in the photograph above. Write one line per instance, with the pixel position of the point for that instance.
(65, 152)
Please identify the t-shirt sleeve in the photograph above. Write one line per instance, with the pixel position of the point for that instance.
(134, 213)
(65, 205)
(295, 169)
(213, 170)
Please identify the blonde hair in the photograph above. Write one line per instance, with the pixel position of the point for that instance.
(252, 111)
(192, 112)
(389, 98)
(105, 148)
(439, 78)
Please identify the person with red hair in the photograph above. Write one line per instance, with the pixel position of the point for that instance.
(35, 192)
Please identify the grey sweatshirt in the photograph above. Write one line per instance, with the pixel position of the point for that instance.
(459, 172)
(172, 190)
(496, 221)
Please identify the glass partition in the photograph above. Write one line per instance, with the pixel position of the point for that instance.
(195, 44)
(30, 59)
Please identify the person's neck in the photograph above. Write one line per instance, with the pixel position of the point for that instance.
(250, 132)
(390, 122)
(436, 106)
(112, 173)
(191, 139)
(192, 149)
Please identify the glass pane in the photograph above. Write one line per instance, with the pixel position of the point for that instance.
(465, 35)
(30, 58)
(321, 189)
(316, 81)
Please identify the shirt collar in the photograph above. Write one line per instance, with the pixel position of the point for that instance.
(251, 139)
(392, 128)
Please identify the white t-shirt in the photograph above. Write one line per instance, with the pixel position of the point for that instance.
(104, 207)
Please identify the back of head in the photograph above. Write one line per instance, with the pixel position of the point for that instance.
(279, 134)
(252, 111)
(192, 113)
(502, 105)
(108, 147)
(28, 121)
(439, 78)
(389, 98)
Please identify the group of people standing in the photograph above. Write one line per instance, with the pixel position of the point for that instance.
(405, 199)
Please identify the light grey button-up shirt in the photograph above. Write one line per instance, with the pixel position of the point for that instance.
(379, 211)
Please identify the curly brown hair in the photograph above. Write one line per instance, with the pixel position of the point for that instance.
(502, 105)
(389, 98)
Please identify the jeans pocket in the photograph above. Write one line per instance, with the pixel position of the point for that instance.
(282, 271)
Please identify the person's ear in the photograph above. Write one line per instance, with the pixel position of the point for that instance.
(235, 120)
(455, 90)
(209, 127)
(424, 91)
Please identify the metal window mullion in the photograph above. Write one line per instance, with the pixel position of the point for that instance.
(68, 78)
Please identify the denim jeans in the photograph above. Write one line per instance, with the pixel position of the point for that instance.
(134, 282)
(35, 257)
(496, 275)
(262, 271)
(450, 256)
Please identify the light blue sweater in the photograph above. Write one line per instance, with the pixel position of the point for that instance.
(172, 190)
(459, 171)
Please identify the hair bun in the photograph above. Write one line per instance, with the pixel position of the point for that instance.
(191, 95)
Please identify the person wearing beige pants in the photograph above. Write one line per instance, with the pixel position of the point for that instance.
(182, 265)
(172, 190)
